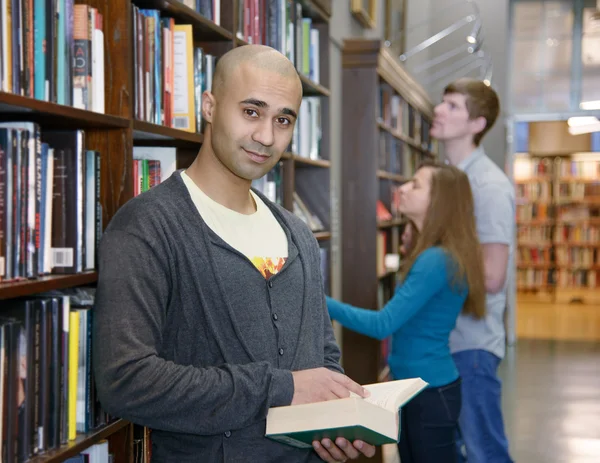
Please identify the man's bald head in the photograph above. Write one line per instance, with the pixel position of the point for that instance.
(255, 56)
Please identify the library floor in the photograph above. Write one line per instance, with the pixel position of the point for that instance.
(551, 402)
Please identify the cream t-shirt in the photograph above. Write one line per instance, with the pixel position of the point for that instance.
(258, 236)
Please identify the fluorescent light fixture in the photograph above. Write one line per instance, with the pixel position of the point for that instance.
(584, 124)
(590, 105)
(582, 120)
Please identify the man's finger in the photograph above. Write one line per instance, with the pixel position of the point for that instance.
(339, 390)
(351, 385)
(347, 448)
(322, 452)
(333, 450)
(366, 449)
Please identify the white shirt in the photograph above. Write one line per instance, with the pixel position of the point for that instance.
(258, 236)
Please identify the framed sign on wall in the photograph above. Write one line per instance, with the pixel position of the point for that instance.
(365, 12)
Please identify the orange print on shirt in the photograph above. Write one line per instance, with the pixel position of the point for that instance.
(268, 266)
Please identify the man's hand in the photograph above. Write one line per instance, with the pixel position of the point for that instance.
(342, 449)
(321, 384)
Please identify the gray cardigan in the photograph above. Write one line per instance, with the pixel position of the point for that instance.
(192, 341)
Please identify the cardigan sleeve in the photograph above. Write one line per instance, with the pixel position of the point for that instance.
(427, 277)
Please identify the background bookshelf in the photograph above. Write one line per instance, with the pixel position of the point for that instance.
(386, 119)
(558, 215)
(127, 96)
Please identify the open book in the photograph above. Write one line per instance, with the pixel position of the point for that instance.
(373, 420)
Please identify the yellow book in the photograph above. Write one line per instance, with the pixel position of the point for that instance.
(73, 370)
(184, 107)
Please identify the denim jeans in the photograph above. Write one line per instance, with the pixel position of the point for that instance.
(480, 424)
(428, 425)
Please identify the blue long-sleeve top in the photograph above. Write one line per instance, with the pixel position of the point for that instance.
(419, 317)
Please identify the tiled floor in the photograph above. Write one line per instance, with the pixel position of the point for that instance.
(551, 402)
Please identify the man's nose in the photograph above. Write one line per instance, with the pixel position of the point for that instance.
(264, 133)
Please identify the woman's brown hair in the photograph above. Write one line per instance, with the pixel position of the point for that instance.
(450, 223)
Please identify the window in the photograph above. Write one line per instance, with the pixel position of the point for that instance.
(542, 55)
(556, 55)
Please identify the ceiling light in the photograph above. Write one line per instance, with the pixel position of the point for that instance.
(582, 120)
(590, 105)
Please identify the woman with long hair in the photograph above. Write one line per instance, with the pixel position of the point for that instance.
(441, 276)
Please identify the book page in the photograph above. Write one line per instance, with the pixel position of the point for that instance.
(391, 395)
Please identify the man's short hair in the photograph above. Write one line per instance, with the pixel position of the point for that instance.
(481, 100)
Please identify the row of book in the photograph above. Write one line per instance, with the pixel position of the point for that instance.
(528, 255)
(578, 256)
(532, 278)
(578, 234)
(534, 211)
(151, 166)
(539, 234)
(170, 71)
(53, 50)
(399, 115)
(574, 191)
(280, 24)
(50, 213)
(210, 9)
(307, 136)
(579, 278)
(397, 156)
(539, 191)
(46, 379)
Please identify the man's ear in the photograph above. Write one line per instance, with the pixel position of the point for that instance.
(208, 105)
(478, 125)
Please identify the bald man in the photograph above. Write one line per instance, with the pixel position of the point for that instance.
(210, 306)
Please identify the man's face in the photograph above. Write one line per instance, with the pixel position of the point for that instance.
(253, 120)
(451, 119)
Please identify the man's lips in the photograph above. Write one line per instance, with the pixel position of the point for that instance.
(260, 158)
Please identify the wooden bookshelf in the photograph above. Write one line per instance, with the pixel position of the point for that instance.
(42, 284)
(558, 216)
(117, 131)
(381, 151)
(119, 428)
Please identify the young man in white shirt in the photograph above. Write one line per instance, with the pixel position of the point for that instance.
(467, 112)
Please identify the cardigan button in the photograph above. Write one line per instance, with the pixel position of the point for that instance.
(227, 433)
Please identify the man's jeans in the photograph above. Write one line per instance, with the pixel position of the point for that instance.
(480, 422)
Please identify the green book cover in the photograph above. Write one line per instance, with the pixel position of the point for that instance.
(351, 433)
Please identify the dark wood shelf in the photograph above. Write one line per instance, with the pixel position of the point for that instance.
(144, 131)
(45, 283)
(311, 88)
(81, 442)
(322, 235)
(205, 30)
(52, 115)
(324, 163)
(390, 176)
(390, 223)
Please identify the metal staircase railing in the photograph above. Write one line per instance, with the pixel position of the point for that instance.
(459, 43)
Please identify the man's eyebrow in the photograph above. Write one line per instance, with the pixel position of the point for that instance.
(255, 102)
(289, 112)
(264, 104)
